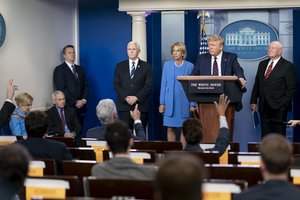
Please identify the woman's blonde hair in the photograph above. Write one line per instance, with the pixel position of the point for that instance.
(181, 46)
(23, 99)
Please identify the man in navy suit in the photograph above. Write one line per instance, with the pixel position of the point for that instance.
(220, 63)
(69, 126)
(275, 86)
(70, 79)
(133, 83)
(8, 107)
(276, 160)
(227, 63)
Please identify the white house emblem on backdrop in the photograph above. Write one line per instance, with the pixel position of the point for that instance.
(249, 39)
(2, 30)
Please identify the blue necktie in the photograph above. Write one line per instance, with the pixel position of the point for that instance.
(132, 71)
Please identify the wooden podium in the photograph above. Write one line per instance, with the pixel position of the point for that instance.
(207, 89)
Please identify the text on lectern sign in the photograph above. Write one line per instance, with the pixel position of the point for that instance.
(206, 86)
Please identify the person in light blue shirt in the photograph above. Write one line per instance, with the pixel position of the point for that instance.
(17, 119)
(174, 104)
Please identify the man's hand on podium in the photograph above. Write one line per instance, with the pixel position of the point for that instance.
(221, 107)
(192, 108)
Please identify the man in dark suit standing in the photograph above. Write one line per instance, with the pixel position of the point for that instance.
(63, 120)
(218, 63)
(70, 79)
(276, 160)
(133, 83)
(275, 86)
(8, 107)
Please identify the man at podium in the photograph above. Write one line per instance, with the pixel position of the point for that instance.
(218, 63)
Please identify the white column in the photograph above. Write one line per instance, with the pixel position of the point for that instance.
(139, 32)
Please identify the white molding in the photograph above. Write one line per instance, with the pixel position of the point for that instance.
(76, 30)
(160, 5)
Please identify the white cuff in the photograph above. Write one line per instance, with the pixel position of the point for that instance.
(137, 121)
(223, 122)
(9, 100)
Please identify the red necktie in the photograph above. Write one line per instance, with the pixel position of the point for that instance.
(62, 118)
(215, 67)
(269, 70)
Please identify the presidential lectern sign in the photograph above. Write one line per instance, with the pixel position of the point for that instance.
(206, 86)
(206, 90)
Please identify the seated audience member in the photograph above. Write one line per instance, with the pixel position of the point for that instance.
(63, 120)
(14, 163)
(17, 119)
(107, 114)
(192, 130)
(121, 166)
(179, 177)
(276, 159)
(36, 124)
(8, 107)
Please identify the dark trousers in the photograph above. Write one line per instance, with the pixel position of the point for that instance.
(125, 117)
(272, 120)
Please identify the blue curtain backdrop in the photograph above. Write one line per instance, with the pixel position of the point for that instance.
(104, 33)
(155, 128)
(296, 52)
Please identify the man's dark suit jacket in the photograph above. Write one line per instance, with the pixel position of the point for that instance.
(221, 145)
(271, 190)
(99, 132)
(55, 126)
(50, 149)
(280, 87)
(5, 112)
(229, 65)
(65, 81)
(140, 86)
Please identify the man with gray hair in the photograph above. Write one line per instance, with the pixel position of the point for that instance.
(133, 84)
(273, 90)
(63, 120)
(107, 114)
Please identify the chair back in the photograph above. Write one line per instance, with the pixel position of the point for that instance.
(114, 188)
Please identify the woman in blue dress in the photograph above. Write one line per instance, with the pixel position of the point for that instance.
(17, 119)
(174, 104)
